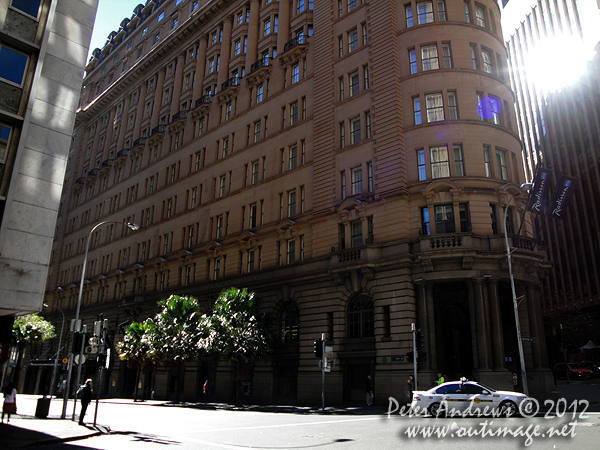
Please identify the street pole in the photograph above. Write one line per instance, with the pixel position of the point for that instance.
(79, 365)
(323, 359)
(514, 294)
(132, 226)
(413, 328)
(53, 383)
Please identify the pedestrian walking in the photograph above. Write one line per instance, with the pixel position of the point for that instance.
(206, 390)
(85, 394)
(10, 401)
(369, 389)
(410, 388)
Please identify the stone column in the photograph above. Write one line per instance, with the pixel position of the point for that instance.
(124, 117)
(158, 98)
(496, 326)
(253, 30)
(482, 329)
(177, 84)
(283, 35)
(200, 67)
(223, 74)
(139, 116)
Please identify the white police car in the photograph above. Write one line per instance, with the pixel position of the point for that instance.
(466, 399)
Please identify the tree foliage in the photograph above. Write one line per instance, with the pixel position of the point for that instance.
(136, 346)
(31, 329)
(234, 330)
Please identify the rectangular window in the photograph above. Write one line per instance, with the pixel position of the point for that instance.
(425, 230)
(354, 83)
(165, 244)
(12, 65)
(251, 258)
(487, 161)
(429, 57)
(295, 73)
(452, 105)
(366, 76)
(194, 202)
(259, 93)
(435, 107)
(352, 40)
(364, 34)
(371, 177)
(355, 130)
(291, 251)
(463, 212)
(254, 178)
(440, 165)
(341, 86)
(343, 183)
(292, 203)
(293, 157)
(225, 147)
(486, 58)
(300, 7)
(257, 131)
(267, 28)
(447, 54)
(417, 110)
(356, 186)
(467, 12)
(294, 113)
(356, 233)
(342, 135)
(473, 49)
(424, 12)
(368, 124)
(30, 7)
(494, 218)
(412, 61)
(444, 219)
(441, 5)
(253, 211)
(501, 163)
(480, 16)
(351, 5)
(421, 167)
(219, 230)
(222, 184)
(459, 162)
(409, 16)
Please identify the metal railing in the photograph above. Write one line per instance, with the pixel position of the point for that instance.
(298, 40)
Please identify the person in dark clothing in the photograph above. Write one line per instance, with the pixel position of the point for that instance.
(85, 392)
(369, 389)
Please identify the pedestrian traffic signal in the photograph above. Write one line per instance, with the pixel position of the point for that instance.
(318, 348)
(421, 357)
(418, 338)
(410, 356)
(101, 360)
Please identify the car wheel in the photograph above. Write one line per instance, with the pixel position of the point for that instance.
(436, 410)
(508, 409)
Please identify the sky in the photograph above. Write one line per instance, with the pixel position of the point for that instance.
(108, 18)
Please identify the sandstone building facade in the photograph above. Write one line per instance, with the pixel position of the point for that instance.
(349, 161)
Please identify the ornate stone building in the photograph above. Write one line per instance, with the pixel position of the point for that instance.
(349, 161)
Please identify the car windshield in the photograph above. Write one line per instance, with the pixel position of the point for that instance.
(573, 366)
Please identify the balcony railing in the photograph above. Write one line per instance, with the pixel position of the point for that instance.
(229, 83)
(80, 180)
(179, 115)
(298, 40)
(446, 241)
(352, 254)
(157, 129)
(106, 163)
(139, 142)
(263, 62)
(92, 173)
(523, 243)
(124, 152)
(204, 100)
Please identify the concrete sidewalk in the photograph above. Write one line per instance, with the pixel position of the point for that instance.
(26, 431)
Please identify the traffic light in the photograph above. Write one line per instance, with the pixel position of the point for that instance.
(410, 357)
(318, 348)
(422, 357)
(418, 338)
(77, 342)
(101, 360)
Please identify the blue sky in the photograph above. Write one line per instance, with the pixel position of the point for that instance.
(108, 18)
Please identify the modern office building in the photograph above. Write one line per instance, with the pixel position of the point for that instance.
(349, 161)
(558, 116)
(43, 47)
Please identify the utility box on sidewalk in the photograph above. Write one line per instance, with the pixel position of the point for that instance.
(43, 406)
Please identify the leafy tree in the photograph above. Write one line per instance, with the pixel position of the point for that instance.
(29, 330)
(174, 338)
(234, 331)
(135, 348)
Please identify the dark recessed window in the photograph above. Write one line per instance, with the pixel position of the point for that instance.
(30, 7)
(12, 65)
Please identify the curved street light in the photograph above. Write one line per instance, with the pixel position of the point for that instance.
(133, 227)
(526, 187)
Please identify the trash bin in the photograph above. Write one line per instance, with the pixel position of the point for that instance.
(43, 405)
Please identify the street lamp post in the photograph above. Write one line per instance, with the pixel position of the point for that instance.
(52, 384)
(526, 187)
(132, 226)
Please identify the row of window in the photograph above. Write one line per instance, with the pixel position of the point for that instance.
(489, 108)
(420, 12)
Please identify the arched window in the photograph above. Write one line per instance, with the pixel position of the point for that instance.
(290, 323)
(361, 317)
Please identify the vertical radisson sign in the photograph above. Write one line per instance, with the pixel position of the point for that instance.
(537, 199)
(562, 195)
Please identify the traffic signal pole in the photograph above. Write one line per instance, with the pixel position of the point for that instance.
(323, 371)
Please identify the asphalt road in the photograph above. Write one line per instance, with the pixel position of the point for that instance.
(150, 427)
